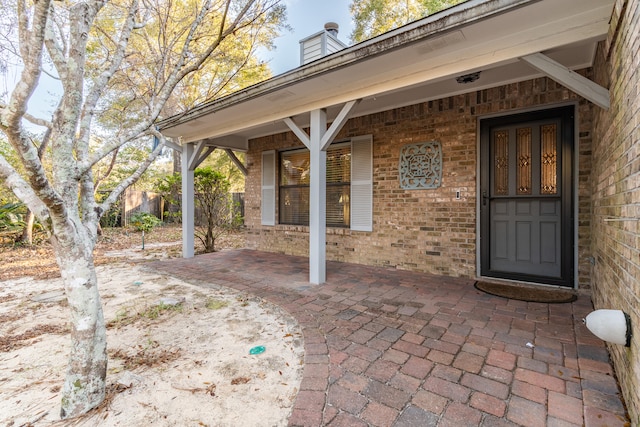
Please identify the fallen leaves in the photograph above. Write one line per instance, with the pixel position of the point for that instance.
(13, 342)
(210, 389)
(240, 380)
(145, 356)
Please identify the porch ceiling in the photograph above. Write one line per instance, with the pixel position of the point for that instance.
(415, 63)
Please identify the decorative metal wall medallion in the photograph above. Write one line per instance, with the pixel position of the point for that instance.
(421, 165)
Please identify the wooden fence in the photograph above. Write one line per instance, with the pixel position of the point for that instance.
(140, 201)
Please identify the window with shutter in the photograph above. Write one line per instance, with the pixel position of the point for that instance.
(294, 186)
(268, 199)
(349, 185)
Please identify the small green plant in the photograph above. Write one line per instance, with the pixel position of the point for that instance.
(11, 216)
(215, 304)
(123, 318)
(128, 315)
(155, 311)
(144, 221)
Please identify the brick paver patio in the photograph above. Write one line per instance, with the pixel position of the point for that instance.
(385, 347)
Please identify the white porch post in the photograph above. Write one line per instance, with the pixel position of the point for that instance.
(188, 226)
(317, 142)
(317, 198)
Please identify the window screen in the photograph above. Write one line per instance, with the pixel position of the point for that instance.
(294, 186)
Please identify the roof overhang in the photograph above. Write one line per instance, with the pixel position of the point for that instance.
(415, 63)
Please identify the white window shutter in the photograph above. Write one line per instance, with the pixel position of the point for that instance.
(268, 199)
(362, 183)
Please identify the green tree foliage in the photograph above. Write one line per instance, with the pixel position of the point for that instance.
(11, 218)
(155, 51)
(143, 221)
(6, 195)
(27, 222)
(220, 161)
(213, 201)
(374, 17)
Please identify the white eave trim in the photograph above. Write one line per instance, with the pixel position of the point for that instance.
(442, 22)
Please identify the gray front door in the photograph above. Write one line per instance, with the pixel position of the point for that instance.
(526, 194)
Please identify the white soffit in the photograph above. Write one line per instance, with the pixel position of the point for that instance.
(388, 72)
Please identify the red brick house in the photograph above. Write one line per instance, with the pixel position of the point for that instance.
(497, 139)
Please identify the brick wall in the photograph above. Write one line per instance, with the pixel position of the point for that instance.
(421, 230)
(615, 185)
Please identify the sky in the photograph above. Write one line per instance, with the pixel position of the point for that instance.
(307, 17)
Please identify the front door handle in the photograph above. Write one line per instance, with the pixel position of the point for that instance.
(485, 197)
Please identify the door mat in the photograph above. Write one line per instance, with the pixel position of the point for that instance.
(527, 293)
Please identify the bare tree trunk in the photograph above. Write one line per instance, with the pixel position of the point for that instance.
(84, 385)
(210, 246)
(177, 161)
(27, 232)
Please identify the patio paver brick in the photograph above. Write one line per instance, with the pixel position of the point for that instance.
(545, 381)
(417, 367)
(430, 401)
(485, 385)
(379, 415)
(527, 413)
(387, 395)
(413, 416)
(458, 415)
(565, 407)
(346, 399)
(387, 347)
(489, 404)
(447, 389)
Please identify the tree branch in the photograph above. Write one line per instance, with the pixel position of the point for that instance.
(105, 175)
(11, 116)
(101, 82)
(17, 107)
(22, 190)
(178, 72)
(116, 192)
(56, 52)
(29, 117)
(23, 28)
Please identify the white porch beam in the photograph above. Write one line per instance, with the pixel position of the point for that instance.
(204, 155)
(338, 123)
(188, 221)
(172, 145)
(299, 132)
(193, 158)
(236, 161)
(200, 153)
(579, 84)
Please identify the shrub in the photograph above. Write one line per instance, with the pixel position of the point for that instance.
(143, 221)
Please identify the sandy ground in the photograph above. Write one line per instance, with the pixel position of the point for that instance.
(183, 362)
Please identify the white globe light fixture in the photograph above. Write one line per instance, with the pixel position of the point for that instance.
(613, 326)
